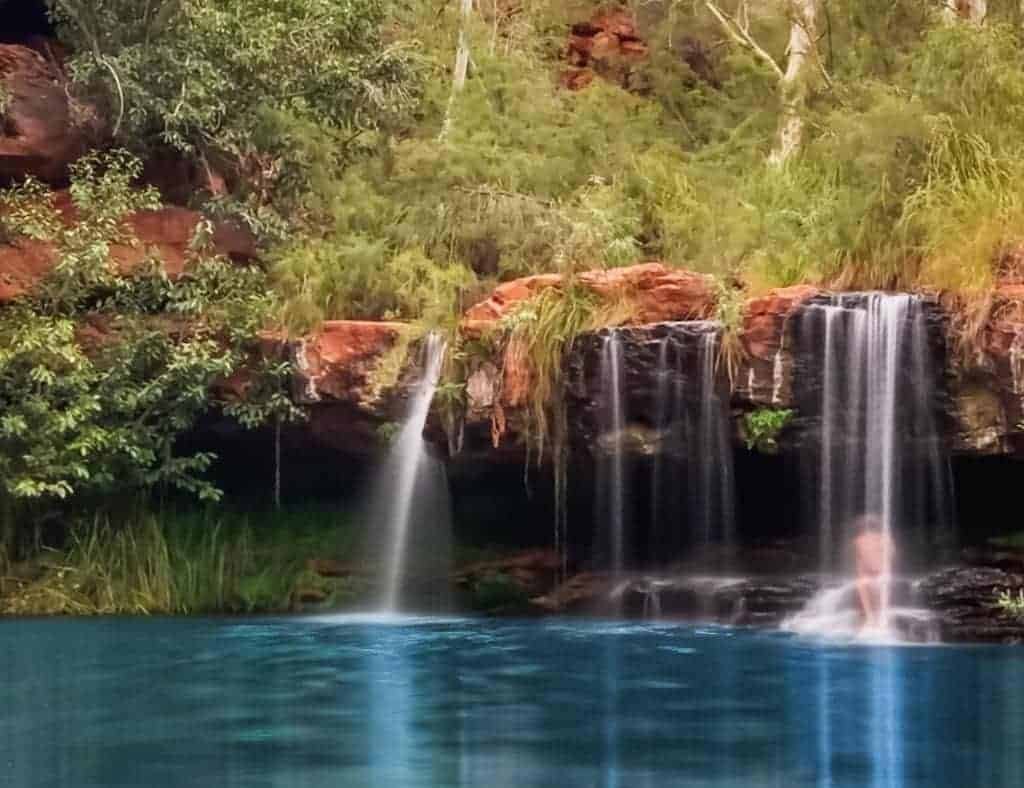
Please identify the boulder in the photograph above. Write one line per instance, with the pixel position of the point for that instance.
(22, 264)
(506, 585)
(987, 384)
(586, 592)
(498, 388)
(167, 232)
(505, 299)
(336, 363)
(354, 377)
(648, 430)
(41, 129)
(654, 291)
(765, 371)
(606, 45)
(755, 601)
(964, 598)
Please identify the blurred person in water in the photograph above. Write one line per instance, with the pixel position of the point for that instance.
(873, 550)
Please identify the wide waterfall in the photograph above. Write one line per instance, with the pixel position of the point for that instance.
(867, 382)
(692, 478)
(409, 474)
(664, 464)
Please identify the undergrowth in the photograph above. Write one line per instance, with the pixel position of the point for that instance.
(906, 179)
(204, 562)
(536, 338)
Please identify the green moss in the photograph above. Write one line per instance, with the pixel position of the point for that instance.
(499, 593)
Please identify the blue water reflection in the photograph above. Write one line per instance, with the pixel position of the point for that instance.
(298, 703)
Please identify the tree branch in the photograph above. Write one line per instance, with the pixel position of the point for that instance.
(739, 34)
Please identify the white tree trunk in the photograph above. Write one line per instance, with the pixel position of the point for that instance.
(802, 56)
(461, 64)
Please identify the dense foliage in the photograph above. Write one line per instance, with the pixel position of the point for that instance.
(271, 93)
(904, 179)
(101, 371)
(382, 185)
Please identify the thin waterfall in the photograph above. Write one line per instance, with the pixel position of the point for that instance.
(663, 387)
(666, 412)
(404, 470)
(612, 471)
(714, 499)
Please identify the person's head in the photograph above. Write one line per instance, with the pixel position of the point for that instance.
(868, 523)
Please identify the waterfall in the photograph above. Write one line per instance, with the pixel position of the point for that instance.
(692, 479)
(664, 375)
(406, 474)
(880, 451)
(867, 378)
(714, 499)
(612, 470)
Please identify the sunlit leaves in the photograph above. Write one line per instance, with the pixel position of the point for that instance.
(226, 82)
(100, 373)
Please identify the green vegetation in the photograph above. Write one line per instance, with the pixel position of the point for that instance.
(763, 427)
(536, 338)
(329, 134)
(101, 372)
(903, 180)
(203, 562)
(380, 184)
(270, 95)
(1011, 604)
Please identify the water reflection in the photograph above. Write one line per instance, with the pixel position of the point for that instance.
(466, 703)
(610, 672)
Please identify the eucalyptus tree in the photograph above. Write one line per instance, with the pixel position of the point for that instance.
(802, 62)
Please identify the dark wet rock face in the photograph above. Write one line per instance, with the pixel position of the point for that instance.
(505, 586)
(921, 350)
(765, 601)
(651, 373)
(965, 600)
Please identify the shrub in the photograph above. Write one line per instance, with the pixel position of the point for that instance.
(100, 373)
(763, 427)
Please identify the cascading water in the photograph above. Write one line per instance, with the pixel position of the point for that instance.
(867, 378)
(612, 468)
(692, 479)
(410, 473)
(714, 497)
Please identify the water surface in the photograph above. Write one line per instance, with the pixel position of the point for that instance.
(342, 702)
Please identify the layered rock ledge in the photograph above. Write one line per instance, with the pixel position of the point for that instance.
(981, 392)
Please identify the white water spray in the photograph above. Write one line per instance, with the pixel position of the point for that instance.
(879, 450)
(404, 465)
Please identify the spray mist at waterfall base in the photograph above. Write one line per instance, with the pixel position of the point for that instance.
(408, 512)
(876, 462)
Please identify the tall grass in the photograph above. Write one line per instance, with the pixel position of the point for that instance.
(539, 334)
(200, 562)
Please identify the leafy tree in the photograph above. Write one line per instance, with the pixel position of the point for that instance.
(101, 372)
(239, 84)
